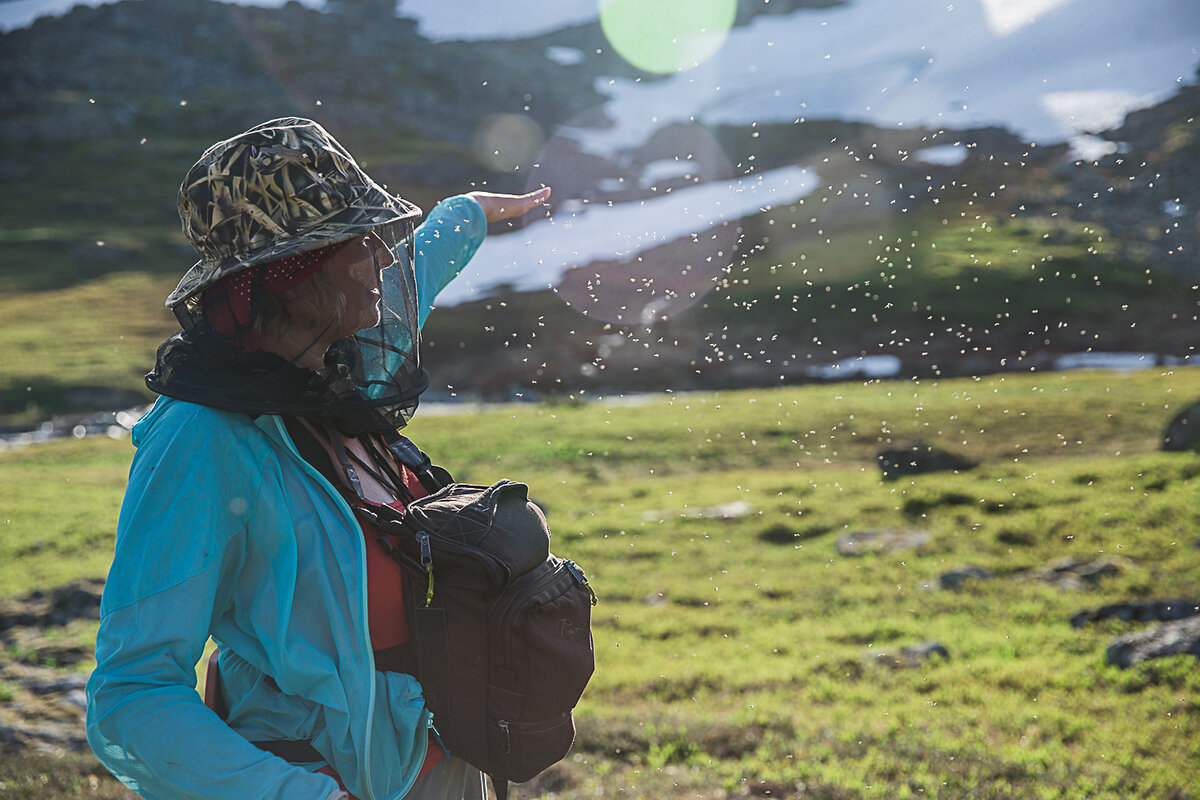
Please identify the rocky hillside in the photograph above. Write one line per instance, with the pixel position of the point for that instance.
(104, 108)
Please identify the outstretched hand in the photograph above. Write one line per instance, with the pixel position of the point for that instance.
(506, 206)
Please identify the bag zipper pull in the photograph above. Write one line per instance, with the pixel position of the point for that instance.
(503, 725)
(427, 563)
(580, 578)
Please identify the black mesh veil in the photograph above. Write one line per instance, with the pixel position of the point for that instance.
(260, 209)
(371, 380)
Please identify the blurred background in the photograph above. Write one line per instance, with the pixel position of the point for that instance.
(903, 228)
(746, 192)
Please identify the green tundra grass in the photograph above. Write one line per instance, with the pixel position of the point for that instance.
(738, 653)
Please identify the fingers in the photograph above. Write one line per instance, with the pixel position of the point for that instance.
(536, 198)
(498, 207)
(520, 203)
(531, 200)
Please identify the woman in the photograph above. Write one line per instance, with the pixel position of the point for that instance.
(297, 361)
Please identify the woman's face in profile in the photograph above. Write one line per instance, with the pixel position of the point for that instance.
(354, 271)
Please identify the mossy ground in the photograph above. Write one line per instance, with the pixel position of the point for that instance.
(737, 656)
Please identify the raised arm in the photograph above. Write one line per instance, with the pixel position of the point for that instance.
(453, 231)
(497, 207)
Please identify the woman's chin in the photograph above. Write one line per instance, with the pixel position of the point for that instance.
(366, 322)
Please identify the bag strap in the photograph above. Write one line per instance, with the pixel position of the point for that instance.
(294, 751)
(311, 450)
(214, 696)
(431, 476)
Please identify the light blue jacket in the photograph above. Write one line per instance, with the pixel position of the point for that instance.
(227, 532)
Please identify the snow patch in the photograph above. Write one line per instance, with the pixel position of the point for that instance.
(564, 56)
(947, 155)
(664, 170)
(22, 13)
(1095, 110)
(537, 256)
(1005, 17)
(934, 65)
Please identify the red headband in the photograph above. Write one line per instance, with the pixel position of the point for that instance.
(229, 303)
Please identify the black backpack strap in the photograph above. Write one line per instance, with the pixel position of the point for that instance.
(431, 476)
(310, 449)
(429, 641)
(214, 694)
(294, 751)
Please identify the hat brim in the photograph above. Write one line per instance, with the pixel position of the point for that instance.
(374, 209)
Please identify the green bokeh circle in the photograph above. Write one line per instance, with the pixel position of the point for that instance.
(665, 36)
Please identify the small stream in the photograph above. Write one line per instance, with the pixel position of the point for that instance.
(117, 424)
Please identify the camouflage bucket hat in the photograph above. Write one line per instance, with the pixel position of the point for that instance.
(281, 188)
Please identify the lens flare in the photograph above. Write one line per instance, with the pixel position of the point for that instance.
(505, 142)
(666, 36)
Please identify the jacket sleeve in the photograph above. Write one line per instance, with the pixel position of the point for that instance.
(180, 539)
(445, 242)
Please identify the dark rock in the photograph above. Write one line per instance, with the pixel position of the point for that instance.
(44, 736)
(917, 459)
(914, 655)
(1177, 637)
(955, 578)
(1074, 573)
(1183, 432)
(888, 541)
(44, 709)
(1146, 611)
(80, 600)
(57, 684)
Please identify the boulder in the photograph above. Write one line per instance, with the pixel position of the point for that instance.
(1076, 573)
(917, 459)
(1177, 637)
(79, 600)
(1183, 432)
(914, 655)
(731, 510)
(955, 578)
(1142, 611)
(885, 541)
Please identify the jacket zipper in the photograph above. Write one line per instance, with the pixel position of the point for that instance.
(361, 551)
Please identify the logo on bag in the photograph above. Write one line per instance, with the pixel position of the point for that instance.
(570, 631)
